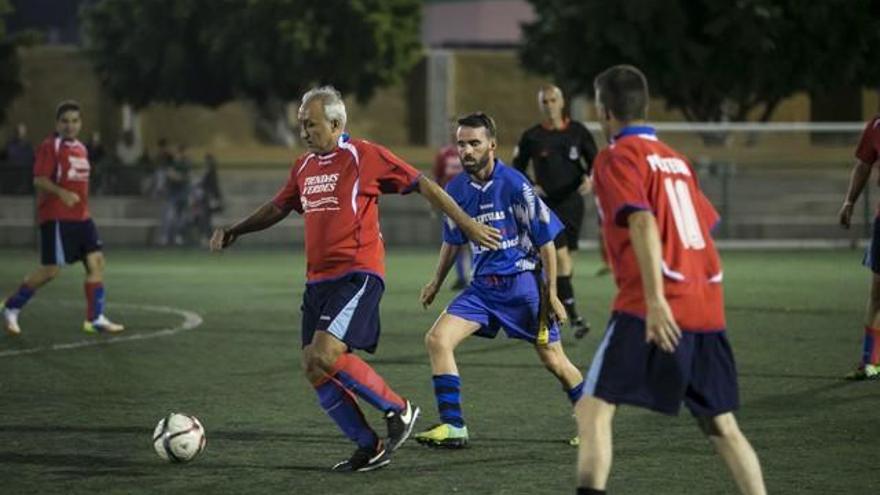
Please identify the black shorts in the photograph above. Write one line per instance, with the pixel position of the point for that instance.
(570, 211)
(63, 242)
(347, 308)
(626, 370)
(872, 252)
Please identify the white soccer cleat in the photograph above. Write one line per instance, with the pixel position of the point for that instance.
(10, 322)
(102, 324)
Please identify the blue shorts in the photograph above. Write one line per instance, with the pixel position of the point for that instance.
(872, 252)
(63, 242)
(503, 301)
(347, 308)
(701, 372)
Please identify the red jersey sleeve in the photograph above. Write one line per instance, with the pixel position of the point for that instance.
(288, 198)
(620, 186)
(45, 164)
(388, 172)
(870, 142)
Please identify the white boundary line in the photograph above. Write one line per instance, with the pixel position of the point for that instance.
(191, 320)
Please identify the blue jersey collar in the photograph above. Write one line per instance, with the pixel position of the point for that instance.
(491, 177)
(634, 130)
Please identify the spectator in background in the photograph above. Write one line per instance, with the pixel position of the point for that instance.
(130, 154)
(177, 184)
(102, 178)
(164, 156)
(19, 154)
(447, 165)
(206, 199)
(130, 148)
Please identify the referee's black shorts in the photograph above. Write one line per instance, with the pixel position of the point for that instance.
(570, 210)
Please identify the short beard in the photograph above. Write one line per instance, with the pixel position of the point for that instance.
(482, 163)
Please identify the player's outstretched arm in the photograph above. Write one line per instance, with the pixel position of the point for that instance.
(448, 253)
(659, 322)
(548, 261)
(481, 234)
(263, 218)
(69, 198)
(857, 180)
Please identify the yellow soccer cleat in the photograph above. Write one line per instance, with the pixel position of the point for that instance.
(102, 324)
(864, 372)
(444, 435)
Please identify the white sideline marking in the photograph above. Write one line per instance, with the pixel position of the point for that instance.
(191, 320)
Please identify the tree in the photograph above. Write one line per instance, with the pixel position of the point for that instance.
(269, 51)
(713, 60)
(10, 76)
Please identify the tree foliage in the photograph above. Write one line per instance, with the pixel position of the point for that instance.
(711, 59)
(10, 75)
(211, 51)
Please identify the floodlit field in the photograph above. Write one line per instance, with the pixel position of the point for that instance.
(77, 417)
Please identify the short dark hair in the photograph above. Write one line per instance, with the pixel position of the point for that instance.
(623, 90)
(477, 120)
(66, 106)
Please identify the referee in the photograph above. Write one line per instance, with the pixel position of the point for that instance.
(561, 152)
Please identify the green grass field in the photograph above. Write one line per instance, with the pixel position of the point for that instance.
(79, 419)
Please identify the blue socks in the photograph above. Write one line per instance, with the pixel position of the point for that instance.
(20, 298)
(575, 393)
(447, 390)
(341, 407)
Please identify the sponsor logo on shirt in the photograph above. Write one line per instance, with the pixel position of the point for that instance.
(79, 169)
(318, 193)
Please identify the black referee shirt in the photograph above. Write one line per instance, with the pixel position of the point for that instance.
(560, 157)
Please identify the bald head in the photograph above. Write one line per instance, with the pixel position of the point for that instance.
(551, 102)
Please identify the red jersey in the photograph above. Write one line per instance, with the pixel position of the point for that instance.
(66, 163)
(338, 195)
(639, 172)
(447, 164)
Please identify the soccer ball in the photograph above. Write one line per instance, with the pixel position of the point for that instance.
(179, 437)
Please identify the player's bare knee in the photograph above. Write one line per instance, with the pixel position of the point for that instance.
(552, 358)
(95, 264)
(721, 426)
(317, 361)
(50, 272)
(551, 361)
(434, 342)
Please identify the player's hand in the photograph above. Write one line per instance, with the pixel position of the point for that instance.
(484, 235)
(69, 198)
(586, 186)
(660, 327)
(429, 292)
(557, 309)
(222, 239)
(845, 214)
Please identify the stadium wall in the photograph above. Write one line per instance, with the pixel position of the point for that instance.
(489, 80)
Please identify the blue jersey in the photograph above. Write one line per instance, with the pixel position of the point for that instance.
(508, 203)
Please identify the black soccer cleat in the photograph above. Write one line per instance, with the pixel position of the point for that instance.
(581, 328)
(400, 425)
(365, 459)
